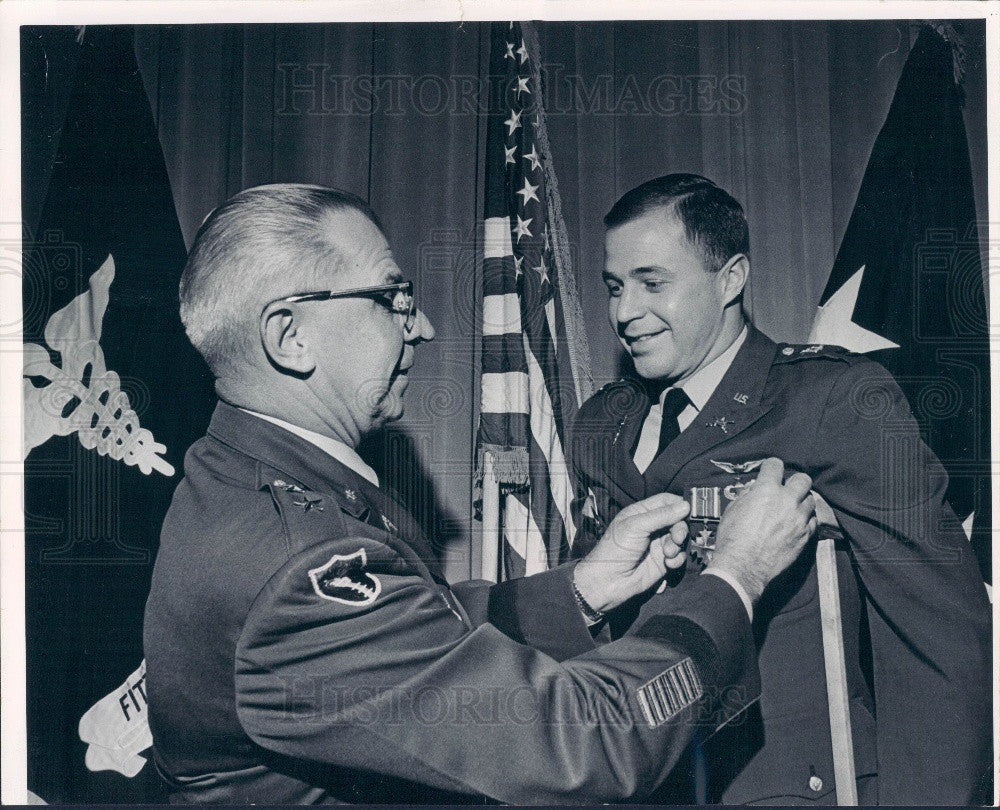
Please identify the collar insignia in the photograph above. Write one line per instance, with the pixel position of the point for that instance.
(722, 423)
(308, 504)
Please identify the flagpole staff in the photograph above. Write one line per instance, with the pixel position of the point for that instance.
(832, 624)
(491, 521)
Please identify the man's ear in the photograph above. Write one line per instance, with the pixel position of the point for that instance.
(733, 277)
(283, 339)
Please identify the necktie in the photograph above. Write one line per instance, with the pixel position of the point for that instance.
(674, 402)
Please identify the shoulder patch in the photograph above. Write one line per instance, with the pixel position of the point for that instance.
(343, 579)
(793, 352)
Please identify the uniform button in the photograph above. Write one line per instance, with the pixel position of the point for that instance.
(788, 351)
(815, 783)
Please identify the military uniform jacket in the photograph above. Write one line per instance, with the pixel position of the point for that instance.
(907, 576)
(301, 646)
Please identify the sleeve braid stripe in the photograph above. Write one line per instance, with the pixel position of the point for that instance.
(670, 692)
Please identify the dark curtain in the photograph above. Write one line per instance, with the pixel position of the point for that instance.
(783, 114)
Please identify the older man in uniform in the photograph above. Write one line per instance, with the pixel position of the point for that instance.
(715, 396)
(301, 644)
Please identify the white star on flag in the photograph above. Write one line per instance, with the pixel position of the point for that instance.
(524, 52)
(542, 270)
(510, 154)
(533, 157)
(513, 122)
(528, 192)
(521, 229)
(522, 85)
(518, 261)
(510, 51)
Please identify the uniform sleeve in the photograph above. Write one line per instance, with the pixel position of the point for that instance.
(348, 657)
(927, 608)
(538, 610)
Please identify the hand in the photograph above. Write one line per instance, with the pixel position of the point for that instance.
(764, 530)
(642, 542)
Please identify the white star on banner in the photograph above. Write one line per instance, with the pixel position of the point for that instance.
(533, 157)
(510, 51)
(833, 322)
(522, 85)
(521, 229)
(543, 272)
(510, 154)
(528, 192)
(524, 52)
(518, 261)
(513, 122)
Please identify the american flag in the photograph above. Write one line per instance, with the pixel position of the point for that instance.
(528, 392)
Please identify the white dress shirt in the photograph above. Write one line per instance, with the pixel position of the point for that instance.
(343, 453)
(699, 387)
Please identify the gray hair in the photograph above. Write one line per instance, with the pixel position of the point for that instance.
(262, 244)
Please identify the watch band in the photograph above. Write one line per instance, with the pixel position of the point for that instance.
(590, 615)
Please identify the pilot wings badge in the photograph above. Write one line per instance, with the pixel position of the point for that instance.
(344, 579)
(737, 468)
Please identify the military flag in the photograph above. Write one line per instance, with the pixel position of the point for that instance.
(907, 283)
(114, 394)
(533, 339)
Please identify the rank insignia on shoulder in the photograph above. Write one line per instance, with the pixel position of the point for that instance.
(350, 494)
(279, 484)
(344, 579)
(670, 692)
(829, 351)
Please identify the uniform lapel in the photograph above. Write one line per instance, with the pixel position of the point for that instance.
(623, 472)
(733, 407)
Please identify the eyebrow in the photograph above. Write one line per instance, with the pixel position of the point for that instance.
(637, 272)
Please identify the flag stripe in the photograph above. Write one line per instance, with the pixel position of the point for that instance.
(503, 353)
(527, 398)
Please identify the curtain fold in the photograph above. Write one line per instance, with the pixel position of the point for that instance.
(783, 114)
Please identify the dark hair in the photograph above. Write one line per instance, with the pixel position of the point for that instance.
(261, 244)
(712, 219)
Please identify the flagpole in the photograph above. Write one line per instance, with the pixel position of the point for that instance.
(832, 625)
(491, 521)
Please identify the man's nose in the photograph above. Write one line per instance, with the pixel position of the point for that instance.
(630, 306)
(421, 331)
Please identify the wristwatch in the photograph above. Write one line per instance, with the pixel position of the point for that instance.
(590, 615)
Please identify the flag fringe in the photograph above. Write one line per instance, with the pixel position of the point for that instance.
(510, 464)
(569, 294)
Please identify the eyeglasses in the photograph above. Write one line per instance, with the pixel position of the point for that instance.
(397, 298)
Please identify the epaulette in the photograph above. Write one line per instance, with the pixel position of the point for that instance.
(306, 514)
(793, 352)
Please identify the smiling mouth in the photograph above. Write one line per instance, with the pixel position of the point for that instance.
(639, 341)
